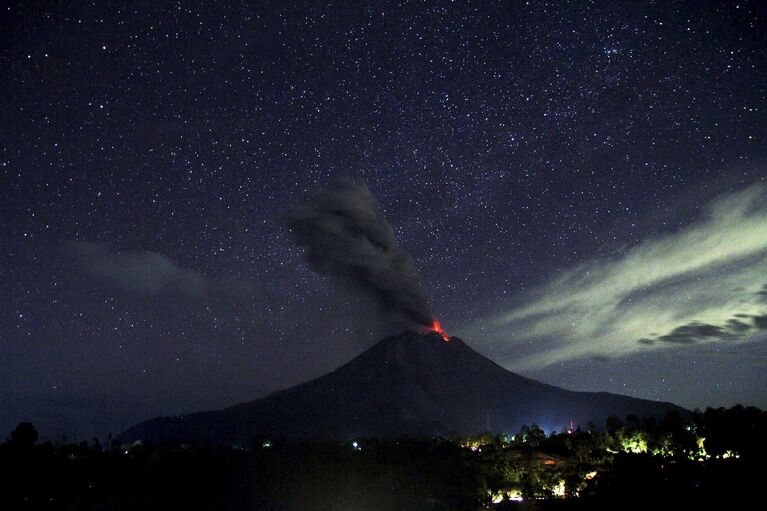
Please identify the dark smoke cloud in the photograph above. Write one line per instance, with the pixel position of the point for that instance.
(345, 237)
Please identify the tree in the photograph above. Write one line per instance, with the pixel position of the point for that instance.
(614, 424)
(25, 435)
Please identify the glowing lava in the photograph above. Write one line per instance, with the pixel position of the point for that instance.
(436, 327)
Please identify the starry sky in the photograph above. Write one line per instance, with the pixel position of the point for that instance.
(582, 186)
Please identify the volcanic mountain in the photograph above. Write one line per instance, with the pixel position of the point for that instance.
(406, 385)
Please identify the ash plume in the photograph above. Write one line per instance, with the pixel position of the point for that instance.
(345, 237)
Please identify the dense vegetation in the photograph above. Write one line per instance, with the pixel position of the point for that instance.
(711, 456)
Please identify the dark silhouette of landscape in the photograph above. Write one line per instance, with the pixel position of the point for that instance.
(412, 384)
(704, 459)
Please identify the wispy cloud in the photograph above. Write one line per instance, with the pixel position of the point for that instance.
(705, 283)
(149, 273)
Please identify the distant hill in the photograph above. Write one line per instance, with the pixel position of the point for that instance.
(406, 385)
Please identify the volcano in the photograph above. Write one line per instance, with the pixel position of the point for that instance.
(410, 384)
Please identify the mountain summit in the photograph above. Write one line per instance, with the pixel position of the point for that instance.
(406, 385)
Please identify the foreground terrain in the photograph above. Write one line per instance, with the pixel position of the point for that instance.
(714, 456)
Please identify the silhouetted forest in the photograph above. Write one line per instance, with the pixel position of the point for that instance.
(714, 456)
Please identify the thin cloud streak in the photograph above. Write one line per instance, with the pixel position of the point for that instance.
(152, 274)
(705, 283)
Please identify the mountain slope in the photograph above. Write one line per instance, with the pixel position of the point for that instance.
(409, 384)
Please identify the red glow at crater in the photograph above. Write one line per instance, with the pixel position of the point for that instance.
(436, 327)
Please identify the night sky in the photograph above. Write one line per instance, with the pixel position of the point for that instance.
(582, 187)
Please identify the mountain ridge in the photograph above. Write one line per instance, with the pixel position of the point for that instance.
(409, 384)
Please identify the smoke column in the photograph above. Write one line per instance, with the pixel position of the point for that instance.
(345, 237)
